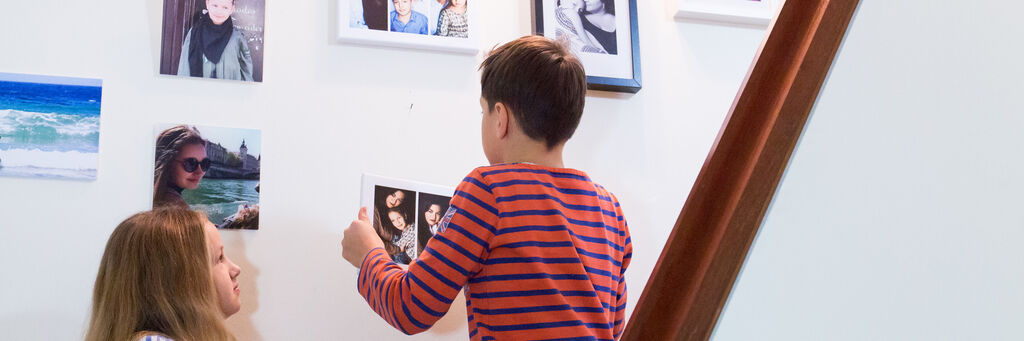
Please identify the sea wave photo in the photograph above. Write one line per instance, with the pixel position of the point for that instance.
(49, 126)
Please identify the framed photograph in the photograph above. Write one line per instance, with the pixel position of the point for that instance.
(220, 39)
(405, 214)
(442, 25)
(742, 12)
(603, 33)
(210, 169)
(49, 126)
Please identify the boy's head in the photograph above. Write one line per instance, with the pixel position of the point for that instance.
(220, 10)
(403, 7)
(539, 84)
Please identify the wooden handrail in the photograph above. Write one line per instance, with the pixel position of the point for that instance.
(705, 251)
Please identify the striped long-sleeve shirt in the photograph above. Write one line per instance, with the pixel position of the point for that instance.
(541, 252)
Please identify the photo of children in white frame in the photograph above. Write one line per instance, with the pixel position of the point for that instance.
(443, 25)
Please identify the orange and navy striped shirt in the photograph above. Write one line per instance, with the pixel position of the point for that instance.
(540, 251)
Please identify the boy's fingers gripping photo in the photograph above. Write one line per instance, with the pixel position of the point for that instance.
(359, 239)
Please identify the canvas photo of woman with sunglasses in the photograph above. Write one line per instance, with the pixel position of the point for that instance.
(216, 171)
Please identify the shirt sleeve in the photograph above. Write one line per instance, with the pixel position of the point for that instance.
(413, 300)
(244, 58)
(443, 23)
(620, 301)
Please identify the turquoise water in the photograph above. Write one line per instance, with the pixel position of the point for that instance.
(49, 130)
(221, 198)
(49, 117)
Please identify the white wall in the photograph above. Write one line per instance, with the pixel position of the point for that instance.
(900, 216)
(328, 113)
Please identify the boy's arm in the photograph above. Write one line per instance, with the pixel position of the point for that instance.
(413, 300)
(620, 302)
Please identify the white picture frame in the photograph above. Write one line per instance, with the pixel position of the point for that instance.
(352, 30)
(419, 195)
(738, 12)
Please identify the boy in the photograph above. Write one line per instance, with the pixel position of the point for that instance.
(404, 19)
(540, 249)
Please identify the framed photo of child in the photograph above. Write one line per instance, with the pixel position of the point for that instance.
(220, 39)
(741, 12)
(442, 25)
(405, 214)
(603, 33)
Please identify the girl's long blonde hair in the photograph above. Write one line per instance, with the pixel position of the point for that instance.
(155, 278)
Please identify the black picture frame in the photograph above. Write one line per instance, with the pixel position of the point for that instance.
(628, 85)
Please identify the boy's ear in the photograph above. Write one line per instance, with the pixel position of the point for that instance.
(503, 120)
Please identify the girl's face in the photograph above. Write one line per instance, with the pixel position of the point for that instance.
(433, 215)
(224, 272)
(593, 5)
(398, 220)
(458, 3)
(220, 10)
(394, 199)
(185, 179)
(403, 7)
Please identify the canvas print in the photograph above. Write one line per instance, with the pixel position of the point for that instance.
(220, 39)
(210, 169)
(49, 126)
(602, 33)
(425, 24)
(405, 214)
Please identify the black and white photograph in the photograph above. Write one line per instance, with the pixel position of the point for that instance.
(405, 214)
(446, 25)
(589, 25)
(220, 39)
(603, 33)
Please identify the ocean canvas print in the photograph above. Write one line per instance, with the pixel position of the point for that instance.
(49, 126)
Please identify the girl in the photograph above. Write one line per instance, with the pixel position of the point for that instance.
(164, 276)
(453, 21)
(181, 163)
(405, 239)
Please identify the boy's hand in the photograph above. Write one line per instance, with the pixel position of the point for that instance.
(359, 239)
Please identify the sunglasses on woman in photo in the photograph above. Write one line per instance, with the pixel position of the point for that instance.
(192, 164)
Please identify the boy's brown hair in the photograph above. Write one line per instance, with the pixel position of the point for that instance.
(541, 82)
